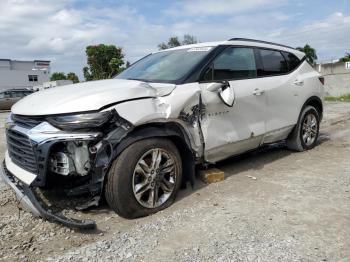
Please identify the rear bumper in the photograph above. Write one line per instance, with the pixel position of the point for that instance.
(29, 201)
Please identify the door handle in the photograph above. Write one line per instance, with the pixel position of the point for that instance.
(258, 92)
(298, 82)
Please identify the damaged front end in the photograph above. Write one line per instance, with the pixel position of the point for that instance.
(44, 151)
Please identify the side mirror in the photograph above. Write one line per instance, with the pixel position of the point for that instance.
(214, 87)
(226, 93)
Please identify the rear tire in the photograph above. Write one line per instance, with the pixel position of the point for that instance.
(305, 134)
(145, 178)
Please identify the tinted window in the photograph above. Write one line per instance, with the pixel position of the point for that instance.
(2, 95)
(292, 61)
(233, 63)
(273, 62)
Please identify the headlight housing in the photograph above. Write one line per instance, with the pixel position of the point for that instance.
(80, 121)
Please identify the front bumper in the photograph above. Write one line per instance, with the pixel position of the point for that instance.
(27, 199)
(42, 138)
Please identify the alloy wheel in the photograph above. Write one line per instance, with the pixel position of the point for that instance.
(154, 178)
(309, 129)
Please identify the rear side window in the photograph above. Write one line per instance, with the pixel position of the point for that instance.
(292, 61)
(273, 63)
(232, 63)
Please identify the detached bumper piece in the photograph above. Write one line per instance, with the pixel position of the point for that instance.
(29, 201)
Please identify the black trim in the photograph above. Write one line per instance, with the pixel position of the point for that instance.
(309, 102)
(225, 85)
(259, 41)
(258, 62)
(258, 50)
(196, 73)
(286, 73)
(44, 211)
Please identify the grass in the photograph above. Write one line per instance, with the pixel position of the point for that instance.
(343, 98)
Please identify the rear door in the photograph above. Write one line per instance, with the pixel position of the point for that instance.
(230, 130)
(279, 83)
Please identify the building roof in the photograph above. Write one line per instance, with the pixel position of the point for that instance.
(6, 59)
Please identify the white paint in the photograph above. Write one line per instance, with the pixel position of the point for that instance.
(23, 175)
(264, 110)
(86, 96)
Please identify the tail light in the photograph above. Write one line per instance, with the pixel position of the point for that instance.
(321, 78)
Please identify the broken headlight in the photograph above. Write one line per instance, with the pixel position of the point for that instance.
(80, 121)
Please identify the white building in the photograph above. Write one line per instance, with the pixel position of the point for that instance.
(23, 74)
(52, 84)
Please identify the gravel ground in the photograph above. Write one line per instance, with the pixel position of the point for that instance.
(274, 205)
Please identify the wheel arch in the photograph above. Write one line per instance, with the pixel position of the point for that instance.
(170, 130)
(316, 102)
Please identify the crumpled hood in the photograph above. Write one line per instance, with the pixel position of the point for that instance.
(87, 96)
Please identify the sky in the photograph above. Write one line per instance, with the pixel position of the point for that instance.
(59, 30)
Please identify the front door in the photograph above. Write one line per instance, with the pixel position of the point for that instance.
(230, 130)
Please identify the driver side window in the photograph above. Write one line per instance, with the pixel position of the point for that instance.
(232, 63)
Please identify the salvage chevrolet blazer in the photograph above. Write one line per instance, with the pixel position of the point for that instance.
(133, 140)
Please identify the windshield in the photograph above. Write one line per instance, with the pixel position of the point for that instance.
(166, 66)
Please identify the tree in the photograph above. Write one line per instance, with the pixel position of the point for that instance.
(346, 58)
(73, 77)
(62, 76)
(309, 52)
(189, 39)
(58, 76)
(174, 42)
(104, 61)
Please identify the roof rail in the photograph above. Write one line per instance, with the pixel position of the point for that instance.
(259, 41)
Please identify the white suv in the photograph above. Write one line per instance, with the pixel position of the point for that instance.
(136, 138)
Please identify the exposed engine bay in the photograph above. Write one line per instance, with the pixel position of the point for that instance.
(71, 158)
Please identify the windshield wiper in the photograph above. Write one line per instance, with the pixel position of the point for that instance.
(137, 79)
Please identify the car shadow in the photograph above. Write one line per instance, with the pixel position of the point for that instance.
(253, 160)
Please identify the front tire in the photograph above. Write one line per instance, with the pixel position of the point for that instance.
(305, 134)
(145, 178)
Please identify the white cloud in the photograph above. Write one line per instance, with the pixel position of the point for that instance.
(330, 36)
(218, 7)
(60, 30)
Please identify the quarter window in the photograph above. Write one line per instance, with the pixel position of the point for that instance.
(233, 63)
(292, 60)
(273, 63)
